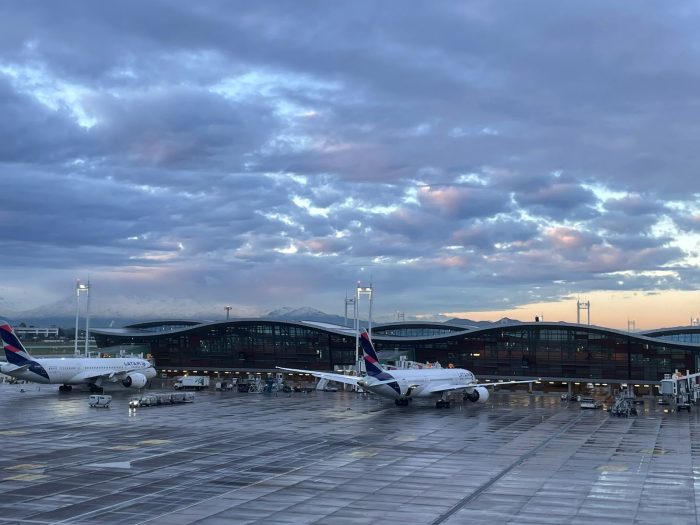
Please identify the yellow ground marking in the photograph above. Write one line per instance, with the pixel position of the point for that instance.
(25, 477)
(348, 415)
(12, 432)
(155, 441)
(405, 439)
(656, 451)
(25, 466)
(367, 453)
(123, 447)
(613, 468)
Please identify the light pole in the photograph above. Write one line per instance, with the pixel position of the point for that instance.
(228, 309)
(362, 291)
(87, 317)
(349, 302)
(79, 287)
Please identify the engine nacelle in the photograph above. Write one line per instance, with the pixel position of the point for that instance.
(134, 380)
(480, 394)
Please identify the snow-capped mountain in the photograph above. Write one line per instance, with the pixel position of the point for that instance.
(305, 313)
(121, 310)
(468, 323)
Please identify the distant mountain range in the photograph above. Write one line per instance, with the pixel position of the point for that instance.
(123, 310)
(468, 323)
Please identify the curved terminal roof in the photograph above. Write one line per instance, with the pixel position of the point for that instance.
(391, 331)
(678, 330)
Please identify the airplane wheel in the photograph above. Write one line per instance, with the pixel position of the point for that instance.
(440, 404)
(447, 404)
(397, 402)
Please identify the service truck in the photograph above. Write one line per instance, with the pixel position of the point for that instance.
(100, 400)
(195, 382)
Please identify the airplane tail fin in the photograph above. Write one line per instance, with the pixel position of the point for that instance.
(15, 352)
(372, 364)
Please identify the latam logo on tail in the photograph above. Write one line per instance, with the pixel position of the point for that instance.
(404, 385)
(93, 372)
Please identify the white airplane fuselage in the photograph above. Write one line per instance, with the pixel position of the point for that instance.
(420, 382)
(402, 385)
(81, 370)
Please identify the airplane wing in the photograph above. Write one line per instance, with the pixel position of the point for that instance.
(330, 376)
(438, 388)
(112, 376)
(499, 383)
(450, 387)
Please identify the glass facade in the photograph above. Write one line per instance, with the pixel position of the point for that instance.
(243, 345)
(529, 349)
(690, 334)
(417, 330)
(554, 351)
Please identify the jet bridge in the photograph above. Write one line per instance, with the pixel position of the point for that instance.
(682, 390)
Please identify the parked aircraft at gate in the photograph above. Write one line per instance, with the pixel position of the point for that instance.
(131, 372)
(404, 385)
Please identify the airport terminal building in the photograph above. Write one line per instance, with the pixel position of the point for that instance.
(551, 351)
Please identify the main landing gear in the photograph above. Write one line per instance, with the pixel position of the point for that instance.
(94, 389)
(402, 402)
(65, 388)
(441, 403)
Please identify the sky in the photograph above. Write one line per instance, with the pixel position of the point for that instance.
(472, 159)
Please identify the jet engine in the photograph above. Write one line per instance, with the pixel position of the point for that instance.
(480, 394)
(134, 380)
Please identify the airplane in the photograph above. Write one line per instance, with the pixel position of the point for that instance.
(131, 372)
(404, 385)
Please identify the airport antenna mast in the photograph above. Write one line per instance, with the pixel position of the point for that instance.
(583, 305)
(349, 301)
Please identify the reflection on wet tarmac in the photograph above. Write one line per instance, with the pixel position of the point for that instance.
(340, 457)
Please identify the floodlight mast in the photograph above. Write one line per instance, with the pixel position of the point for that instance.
(87, 318)
(77, 313)
(228, 309)
(348, 302)
(362, 291)
(80, 287)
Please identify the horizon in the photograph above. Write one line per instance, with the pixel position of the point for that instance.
(564, 311)
(487, 160)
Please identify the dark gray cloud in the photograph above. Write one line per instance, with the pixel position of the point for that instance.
(493, 153)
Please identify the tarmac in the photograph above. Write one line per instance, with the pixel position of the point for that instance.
(341, 458)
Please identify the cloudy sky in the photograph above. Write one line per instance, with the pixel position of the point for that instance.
(475, 157)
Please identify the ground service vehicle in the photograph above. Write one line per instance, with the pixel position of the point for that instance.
(161, 398)
(100, 400)
(589, 402)
(194, 382)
